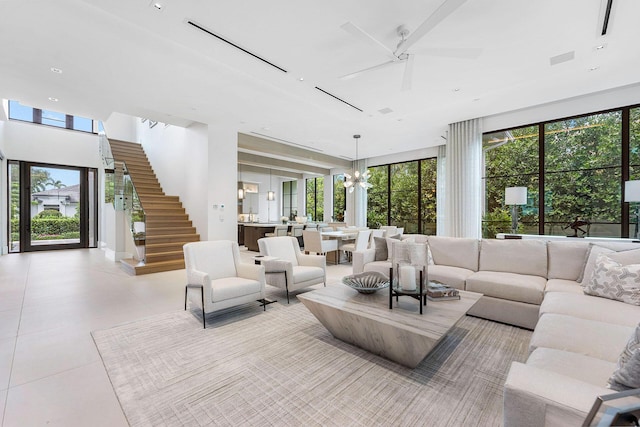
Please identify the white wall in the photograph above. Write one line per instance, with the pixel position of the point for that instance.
(121, 127)
(179, 158)
(46, 144)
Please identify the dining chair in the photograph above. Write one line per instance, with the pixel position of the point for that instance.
(313, 242)
(279, 230)
(360, 244)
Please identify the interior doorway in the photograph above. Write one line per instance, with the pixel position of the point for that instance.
(51, 207)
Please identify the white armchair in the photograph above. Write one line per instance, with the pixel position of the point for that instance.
(292, 269)
(214, 268)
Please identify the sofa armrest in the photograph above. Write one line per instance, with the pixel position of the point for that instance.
(360, 258)
(534, 397)
(251, 271)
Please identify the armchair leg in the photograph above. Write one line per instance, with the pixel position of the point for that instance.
(186, 289)
(286, 286)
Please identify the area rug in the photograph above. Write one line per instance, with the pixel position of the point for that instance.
(282, 367)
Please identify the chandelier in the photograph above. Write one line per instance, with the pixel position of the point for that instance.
(358, 178)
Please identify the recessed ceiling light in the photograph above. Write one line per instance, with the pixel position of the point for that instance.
(475, 99)
(600, 47)
(56, 70)
(157, 5)
(593, 68)
(301, 79)
(457, 89)
(51, 98)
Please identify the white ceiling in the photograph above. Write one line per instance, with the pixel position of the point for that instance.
(126, 56)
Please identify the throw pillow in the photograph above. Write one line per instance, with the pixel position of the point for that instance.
(390, 241)
(418, 253)
(627, 373)
(382, 253)
(590, 263)
(614, 281)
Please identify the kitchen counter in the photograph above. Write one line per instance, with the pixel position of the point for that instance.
(252, 231)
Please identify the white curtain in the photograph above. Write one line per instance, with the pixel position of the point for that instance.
(441, 196)
(463, 175)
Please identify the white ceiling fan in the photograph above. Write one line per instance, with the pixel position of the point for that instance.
(407, 39)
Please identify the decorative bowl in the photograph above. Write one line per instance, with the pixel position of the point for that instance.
(366, 283)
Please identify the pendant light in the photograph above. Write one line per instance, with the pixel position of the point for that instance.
(270, 194)
(358, 178)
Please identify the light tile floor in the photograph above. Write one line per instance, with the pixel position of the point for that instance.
(50, 370)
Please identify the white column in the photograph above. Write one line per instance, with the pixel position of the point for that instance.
(222, 184)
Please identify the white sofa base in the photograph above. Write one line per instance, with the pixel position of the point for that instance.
(505, 311)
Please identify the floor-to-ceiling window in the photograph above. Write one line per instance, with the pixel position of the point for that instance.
(511, 160)
(339, 198)
(574, 170)
(290, 199)
(403, 194)
(315, 198)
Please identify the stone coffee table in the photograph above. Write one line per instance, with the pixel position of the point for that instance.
(401, 334)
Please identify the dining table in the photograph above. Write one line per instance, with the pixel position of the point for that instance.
(342, 236)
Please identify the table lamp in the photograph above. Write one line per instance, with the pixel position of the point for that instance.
(515, 196)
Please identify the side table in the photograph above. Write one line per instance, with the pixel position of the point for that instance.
(258, 260)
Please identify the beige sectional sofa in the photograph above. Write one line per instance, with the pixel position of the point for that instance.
(536, 284)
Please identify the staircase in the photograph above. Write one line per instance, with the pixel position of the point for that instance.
(168, 226)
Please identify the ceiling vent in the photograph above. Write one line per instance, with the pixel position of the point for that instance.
(606, 16)
(565, 57)
(339, 99)
(386, 110)
(211, 33)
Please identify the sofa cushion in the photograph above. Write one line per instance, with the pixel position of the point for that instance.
(626, 257)
(566, 260)
(510, 286)
(233, 287)
(614, 281)
(591, 308)
(451, 276)
(455, 251)
(584, 368)
(379, 266)
(562, 285)
(596, 339)
(627, 373)
(528, 257)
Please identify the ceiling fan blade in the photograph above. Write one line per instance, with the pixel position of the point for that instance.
(444, 10)
(375, 67)
(407, 77)
(359, 33)
(464, 53)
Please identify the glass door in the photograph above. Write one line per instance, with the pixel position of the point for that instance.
(56, 207)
